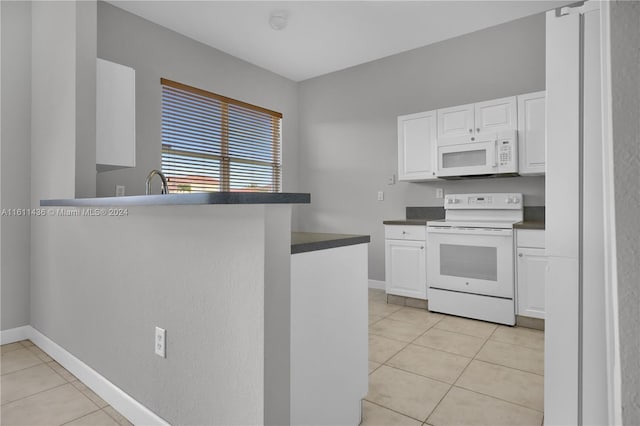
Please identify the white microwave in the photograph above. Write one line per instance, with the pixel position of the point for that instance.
(489, 155)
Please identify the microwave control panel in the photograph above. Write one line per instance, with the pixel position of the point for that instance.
(505, 153)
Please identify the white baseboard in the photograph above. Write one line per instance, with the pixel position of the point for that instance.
(377, 284)
(135, 412)
(14, 334)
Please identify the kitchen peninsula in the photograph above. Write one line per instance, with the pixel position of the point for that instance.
(247, 328)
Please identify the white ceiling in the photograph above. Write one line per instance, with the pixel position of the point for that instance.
(326, 36)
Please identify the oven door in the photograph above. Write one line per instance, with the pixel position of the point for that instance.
(477, 158)
(471, 260)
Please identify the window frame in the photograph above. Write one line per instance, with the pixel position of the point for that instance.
(224, 159)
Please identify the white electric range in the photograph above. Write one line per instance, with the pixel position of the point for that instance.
(470, 257)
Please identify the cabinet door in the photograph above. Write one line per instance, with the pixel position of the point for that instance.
(416, 146)
(406, 273)
(531, 133)
(496, 115)
(532, 273)
(455, 121)
(115, 116)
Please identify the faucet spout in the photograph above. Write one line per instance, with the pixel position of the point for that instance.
(165, 186)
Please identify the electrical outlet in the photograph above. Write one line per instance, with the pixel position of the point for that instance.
(161, 342)
(119, 190)
(380, 196)
(439, 193)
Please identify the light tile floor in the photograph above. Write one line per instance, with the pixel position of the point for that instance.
(37, 391)
(424, 369)
(432, 369)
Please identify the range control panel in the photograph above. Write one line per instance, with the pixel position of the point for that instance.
(492, 201)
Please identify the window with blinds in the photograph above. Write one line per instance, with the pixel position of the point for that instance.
(214, 143)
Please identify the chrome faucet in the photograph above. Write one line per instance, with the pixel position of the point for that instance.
(165, 186)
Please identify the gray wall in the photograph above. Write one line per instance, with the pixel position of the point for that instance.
(348, 134)
(53, 106)
(625, 69)
(156, 52)
(100, 286)
(15, 166)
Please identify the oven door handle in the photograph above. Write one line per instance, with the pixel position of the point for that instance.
(470, 231)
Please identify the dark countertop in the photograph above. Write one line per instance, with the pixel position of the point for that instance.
(302, 242)
(419, 222)
(418, 216)
(529, 224)
(187, 199)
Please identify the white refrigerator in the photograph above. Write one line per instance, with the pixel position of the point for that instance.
(575, 355)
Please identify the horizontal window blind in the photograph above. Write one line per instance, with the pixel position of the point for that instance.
(214, 143)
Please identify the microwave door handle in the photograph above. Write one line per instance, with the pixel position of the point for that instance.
(495, 153)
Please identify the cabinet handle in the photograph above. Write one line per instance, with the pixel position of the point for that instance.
(478, 130)
(421, 247)
(403, 232)
(473, 139)
(520, 255)
(470, 130)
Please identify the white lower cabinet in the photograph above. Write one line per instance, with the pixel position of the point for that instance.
(531, 266)
(406, 261)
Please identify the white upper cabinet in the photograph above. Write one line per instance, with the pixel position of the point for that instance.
(495, 116)
(417, 146)
(115, 116)
(456, 121)
(467, 123)
(532, 133)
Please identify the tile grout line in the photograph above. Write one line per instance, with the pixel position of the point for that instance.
(509, 367)
(410, 372)
(84, 415)
(12, 350)
(516, 345)
(455, 384)
(499, 399)
(474, 358)
(54, 370)
(34, 394)
(114, 419)
(395, 411)
(25, 368)
(66, 382)
(459, 375)
(418, 374)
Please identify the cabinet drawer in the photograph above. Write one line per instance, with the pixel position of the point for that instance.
(530, 238)
(409, 232)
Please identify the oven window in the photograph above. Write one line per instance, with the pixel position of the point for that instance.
(464, 159)
(479, 263)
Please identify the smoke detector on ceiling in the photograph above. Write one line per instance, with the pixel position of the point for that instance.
(278, 19)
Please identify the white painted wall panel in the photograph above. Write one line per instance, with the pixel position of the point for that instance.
(329, 346)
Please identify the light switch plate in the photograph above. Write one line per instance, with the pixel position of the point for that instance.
(380, 196)
(119, 190)
(439, 193)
